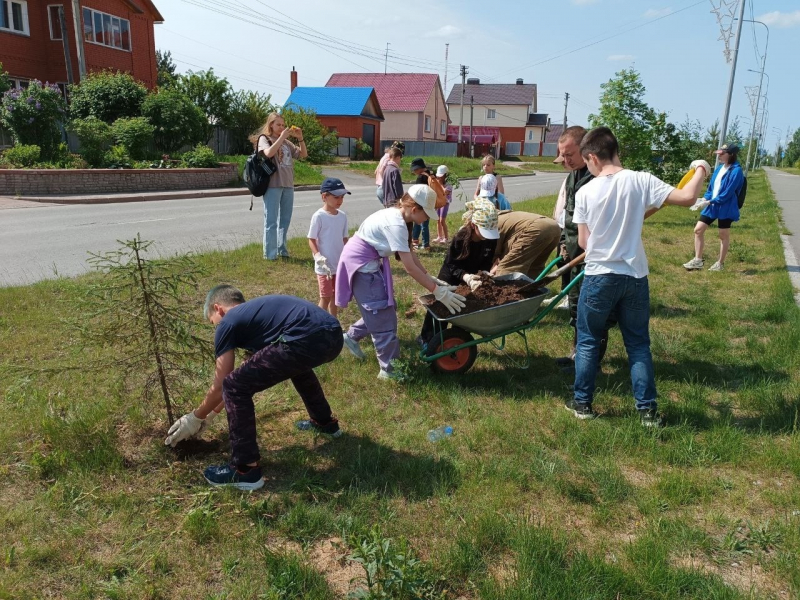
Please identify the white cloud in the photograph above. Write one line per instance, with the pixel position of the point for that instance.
(654, 13)
(445, 31)
(625, 57)
(780, 19)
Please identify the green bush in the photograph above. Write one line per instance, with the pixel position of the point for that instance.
(201, 157)
(107, 96)
(117, 158)
(5, 81)
(320, 142)
(22, 155)
(135, 133)
(177, 121)
(32, 116)
(363, 150)
(248, 111)
(94, 136)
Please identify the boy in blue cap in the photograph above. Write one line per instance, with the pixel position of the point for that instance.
(327, 236)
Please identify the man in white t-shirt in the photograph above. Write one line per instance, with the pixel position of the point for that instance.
(609, 212)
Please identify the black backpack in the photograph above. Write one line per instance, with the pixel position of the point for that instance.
(742, 193)
(257, 171)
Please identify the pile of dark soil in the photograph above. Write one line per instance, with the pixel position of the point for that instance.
(491, 293)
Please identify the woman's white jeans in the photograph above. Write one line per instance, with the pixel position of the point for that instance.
(278, 204)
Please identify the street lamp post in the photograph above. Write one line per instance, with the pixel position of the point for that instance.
(755, 117)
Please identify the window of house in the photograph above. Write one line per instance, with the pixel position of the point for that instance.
(18, 84)
(55, 23)
(106, 30)
(491, 113)
(14, 16)
(530, 134)
(443, 127)
(427, 123)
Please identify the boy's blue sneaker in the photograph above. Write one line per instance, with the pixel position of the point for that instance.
(331, 429)
(581, 411)
(220, 475)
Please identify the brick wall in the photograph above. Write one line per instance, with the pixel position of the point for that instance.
(38, 57)
(38, 182)
(353, 127)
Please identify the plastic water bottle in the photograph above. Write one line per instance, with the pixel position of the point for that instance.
(434, 435)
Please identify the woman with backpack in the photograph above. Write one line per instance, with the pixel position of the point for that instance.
(272, 142)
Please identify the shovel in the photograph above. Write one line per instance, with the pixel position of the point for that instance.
(554, 275)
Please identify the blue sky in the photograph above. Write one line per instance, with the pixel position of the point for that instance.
(673, 44)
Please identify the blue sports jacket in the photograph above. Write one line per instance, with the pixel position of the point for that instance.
(726, 205)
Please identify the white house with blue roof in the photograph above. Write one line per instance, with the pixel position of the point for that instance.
(352, 112)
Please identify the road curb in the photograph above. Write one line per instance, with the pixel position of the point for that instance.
(792, 266)
(146, 196)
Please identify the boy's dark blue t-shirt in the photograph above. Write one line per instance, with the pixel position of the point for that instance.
(262, 321)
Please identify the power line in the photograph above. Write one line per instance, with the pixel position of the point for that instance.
(552, 58)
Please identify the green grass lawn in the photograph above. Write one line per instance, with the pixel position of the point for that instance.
(460, 166)
(792, 170)
(304, 173)
(523, 501)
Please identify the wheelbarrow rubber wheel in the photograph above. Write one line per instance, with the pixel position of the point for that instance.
(459, 361)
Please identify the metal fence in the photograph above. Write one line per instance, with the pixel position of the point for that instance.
(513, 148)
(550, 149)
(424, 148)
(5, 139)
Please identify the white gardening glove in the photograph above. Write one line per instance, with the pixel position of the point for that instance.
(700, 204)
(184, 428)
(439, 281)
(701, 163)
(473, 281)
(322, 264)
(446, 295)
(206, 423)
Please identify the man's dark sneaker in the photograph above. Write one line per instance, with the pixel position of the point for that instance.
(229, 475)
(331, 428)
(581, 411)
(649, 417)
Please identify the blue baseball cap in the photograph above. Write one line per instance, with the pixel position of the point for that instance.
(333, 186)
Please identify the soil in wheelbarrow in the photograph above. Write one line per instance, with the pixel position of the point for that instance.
(491, 293)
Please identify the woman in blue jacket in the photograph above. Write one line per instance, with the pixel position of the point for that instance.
(720, 203)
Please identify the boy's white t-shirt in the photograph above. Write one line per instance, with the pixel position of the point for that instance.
(329, 231)
(613, 208)
(387, 232)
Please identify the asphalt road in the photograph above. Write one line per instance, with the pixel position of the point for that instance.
(47, 241)
(787, 192)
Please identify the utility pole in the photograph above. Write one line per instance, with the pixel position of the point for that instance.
(62, 22)
(724, 129)
(464, 71)
(386, 59)
(76, 18)
(446, 54)
(471, 144)
(566, 101)
(758, 95)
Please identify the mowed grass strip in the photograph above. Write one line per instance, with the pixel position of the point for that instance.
(523, 501)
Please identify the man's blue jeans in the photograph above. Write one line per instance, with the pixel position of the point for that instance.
(278, 205)
(629, 299)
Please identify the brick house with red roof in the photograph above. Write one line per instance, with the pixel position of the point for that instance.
(113, 34)
(506, 106)
(412, 103)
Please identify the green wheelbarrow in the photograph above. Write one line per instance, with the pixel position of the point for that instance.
(453, 347)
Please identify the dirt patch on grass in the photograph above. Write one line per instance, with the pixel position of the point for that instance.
(504, 571)
(329, 557)
(743, 575)
(636, 477)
